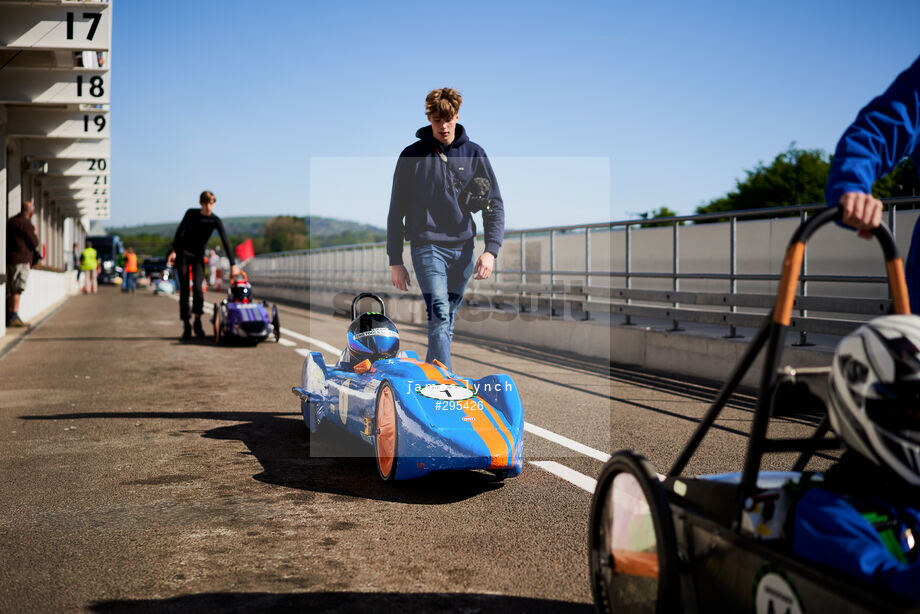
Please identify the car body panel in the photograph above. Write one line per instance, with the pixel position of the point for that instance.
(254, 322)
(444, 421)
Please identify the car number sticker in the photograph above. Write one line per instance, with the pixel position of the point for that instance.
(775, 594)
(446, 392)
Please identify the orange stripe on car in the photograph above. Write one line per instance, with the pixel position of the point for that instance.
(465, 383)
(498, 447)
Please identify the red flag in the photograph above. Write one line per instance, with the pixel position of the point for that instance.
(245, 251)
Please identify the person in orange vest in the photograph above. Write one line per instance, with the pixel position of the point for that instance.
(130, 270)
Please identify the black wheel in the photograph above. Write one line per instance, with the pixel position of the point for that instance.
(309, 420)
(632, 549)
(386, 432)
(276, 325)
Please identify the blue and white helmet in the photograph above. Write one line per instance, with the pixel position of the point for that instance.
(372, 336)
(874, 393)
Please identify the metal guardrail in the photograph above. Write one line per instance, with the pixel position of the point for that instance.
(353, 268)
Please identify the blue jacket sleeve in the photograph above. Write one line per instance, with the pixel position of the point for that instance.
(493, 223)
(399, 207)
(884, 132)
(830, 531)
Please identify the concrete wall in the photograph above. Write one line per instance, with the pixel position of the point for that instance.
(44, 290)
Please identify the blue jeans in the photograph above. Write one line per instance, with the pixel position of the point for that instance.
(442, 274)
(130, 282)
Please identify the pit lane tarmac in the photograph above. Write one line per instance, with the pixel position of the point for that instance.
(144, 474)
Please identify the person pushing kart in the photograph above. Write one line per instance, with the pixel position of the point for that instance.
(885, 131)
(188, 251)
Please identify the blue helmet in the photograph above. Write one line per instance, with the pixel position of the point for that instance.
(372, 336)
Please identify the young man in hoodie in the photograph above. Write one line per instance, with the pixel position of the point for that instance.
(439, 182)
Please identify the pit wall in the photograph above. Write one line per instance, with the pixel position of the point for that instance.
(44, 290)
(702, 355)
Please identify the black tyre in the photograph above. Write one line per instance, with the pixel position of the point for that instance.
(276, 324)
(632, 548)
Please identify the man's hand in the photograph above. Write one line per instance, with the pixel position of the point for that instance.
(171, 260)
(485, 265)
(400, 277)
(234, 271)
(862, 212)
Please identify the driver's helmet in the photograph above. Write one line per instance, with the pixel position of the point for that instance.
(372, 336)
(241, 291)
(874, 393)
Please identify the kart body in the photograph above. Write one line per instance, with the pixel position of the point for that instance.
(251, 323)
(443, 421)
(416, 417)
(720, 543)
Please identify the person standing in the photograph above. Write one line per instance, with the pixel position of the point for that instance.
(439, 182)
(187, 251)
(89, 266)
(76, 261)
(885, 131)
(130, 270)
(21, 243)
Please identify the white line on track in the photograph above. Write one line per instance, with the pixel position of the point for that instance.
(569, 475)
(565, 442)
(314, 342)
(287, 343)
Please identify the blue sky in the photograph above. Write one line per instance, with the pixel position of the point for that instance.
(591, 111)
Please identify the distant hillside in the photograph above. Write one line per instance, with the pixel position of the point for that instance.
(252, 227)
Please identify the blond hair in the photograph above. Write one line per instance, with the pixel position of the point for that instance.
(443, 103)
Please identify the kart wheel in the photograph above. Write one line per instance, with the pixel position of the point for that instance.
(632, 547)
(387, 436)
(276, 325)
(216, 320)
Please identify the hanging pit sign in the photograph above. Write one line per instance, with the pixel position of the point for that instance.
(78, 26)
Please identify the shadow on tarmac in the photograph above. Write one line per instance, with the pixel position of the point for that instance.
(341, 464)
(342, 603)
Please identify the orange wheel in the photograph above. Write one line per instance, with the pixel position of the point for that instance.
(216, 323)
(387, 436)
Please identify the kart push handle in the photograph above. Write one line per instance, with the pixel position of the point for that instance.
(792, 264)
(354, 303)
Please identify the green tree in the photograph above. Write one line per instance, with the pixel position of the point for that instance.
(282, 234)
(659, 213)
(901, 181)
(794, 177)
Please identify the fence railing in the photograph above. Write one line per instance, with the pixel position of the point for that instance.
(718, 268)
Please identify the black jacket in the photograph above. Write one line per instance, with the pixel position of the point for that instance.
(193, 233)
(423, 204)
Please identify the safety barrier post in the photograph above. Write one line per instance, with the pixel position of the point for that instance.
(628, 283)
(675, 241)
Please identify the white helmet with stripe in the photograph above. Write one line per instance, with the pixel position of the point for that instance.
(874, 393)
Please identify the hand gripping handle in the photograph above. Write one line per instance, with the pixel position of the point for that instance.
(792, 264)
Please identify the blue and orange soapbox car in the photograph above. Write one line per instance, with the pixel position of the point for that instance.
(416, 417)
(718, 543)
(239, 319)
